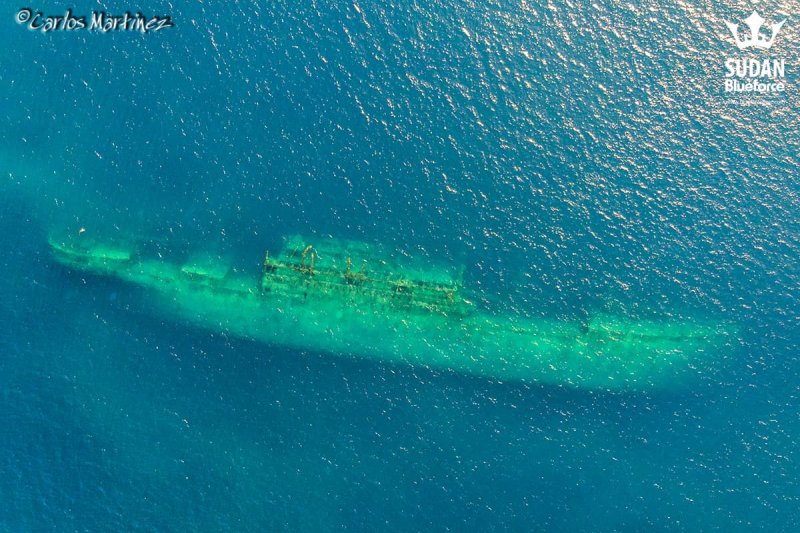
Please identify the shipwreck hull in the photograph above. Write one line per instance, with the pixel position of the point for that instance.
(330, 299)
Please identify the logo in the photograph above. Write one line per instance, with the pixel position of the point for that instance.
(754, 71)
(755, 22)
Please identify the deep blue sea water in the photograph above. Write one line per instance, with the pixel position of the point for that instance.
(574, 156)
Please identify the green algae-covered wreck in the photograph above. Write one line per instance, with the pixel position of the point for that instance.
(353, 299)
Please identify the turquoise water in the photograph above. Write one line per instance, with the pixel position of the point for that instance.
(574, 158)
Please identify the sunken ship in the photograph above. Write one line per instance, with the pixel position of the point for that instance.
(354, 299)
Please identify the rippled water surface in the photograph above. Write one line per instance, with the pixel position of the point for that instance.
(575, 157)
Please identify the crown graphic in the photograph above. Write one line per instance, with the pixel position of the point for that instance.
(754, 22)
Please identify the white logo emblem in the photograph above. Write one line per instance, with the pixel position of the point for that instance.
(754, 22)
